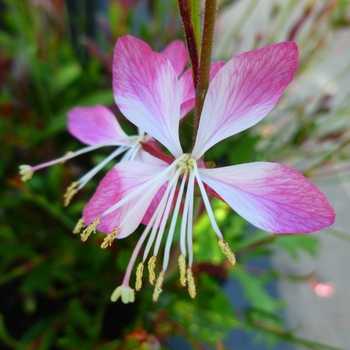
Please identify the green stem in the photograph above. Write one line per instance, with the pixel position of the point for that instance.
(201, 87)
(190, 35)
(195, 21)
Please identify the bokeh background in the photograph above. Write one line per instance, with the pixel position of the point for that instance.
(286, 292)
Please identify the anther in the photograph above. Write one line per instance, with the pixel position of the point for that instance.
(158, 286)
(151, 267)
(80, 224)
(182, 266)
(90, 229)
(109, 239)
(191, 285)
(139, 273)
(227, 251)
(70, 192)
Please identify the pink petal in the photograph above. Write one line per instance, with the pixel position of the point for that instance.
(122, 180)
(146, 91)
(147, 158)
(244, 91)
(271, 196)
(176, 53)
(93, 125)
(187, 92)
(154, 204)
(187, 88)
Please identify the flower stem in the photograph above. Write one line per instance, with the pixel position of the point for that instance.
(191, 42)
(201, 86)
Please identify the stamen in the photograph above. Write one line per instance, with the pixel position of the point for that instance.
(182, 266)
(173, 223)
(109, 239)
(151, 267)
(90, 174)
(158, 287)
(80, 224)
(139, 273)
(26, 172)
(70, 192)
(191, 285)
(207, 202)
(227, 251)
(142, 188)
(90, 229)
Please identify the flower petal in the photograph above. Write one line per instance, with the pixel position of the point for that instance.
(187, 92)
(123, 179)
(147, 158)
(176, 53)
(271, 196)
(187, 87)
(146, 91)
(244, 91)
(93, 125)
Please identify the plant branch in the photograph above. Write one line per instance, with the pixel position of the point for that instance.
(190, 35)
(201, 86)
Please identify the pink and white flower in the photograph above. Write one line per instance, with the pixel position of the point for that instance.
(271, 196)
(97, 126)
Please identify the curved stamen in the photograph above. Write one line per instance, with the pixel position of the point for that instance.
(158, 214)
(163, 174)
(166, 214)
(207, 203)
(190, 192)
(115, 142)
(173, 223)
(91, 173)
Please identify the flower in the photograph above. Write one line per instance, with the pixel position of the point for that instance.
(97, 127)
(271, 196)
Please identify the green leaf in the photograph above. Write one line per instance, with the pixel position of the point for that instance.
(254, 291)
(5, 337)
(294, 244)
(65, 76)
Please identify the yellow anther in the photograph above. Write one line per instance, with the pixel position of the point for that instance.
(109, 239)
(70, 192)
(158, 286)
(139, 273)
(151, 267)
(191, 285)
(80, 224)
(227, 251)
(26, 172)
(90, 229)
(182, 266)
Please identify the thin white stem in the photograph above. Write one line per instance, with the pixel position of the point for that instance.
(173, 223)
(184, 222)
(157, 216)
(190, 194)
(132, 152)
(166, 212)
(133, 258)
(90, 174)
(207, 203)
(78, 153)
(158, 178)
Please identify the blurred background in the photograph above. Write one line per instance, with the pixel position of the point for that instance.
(286, 292)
